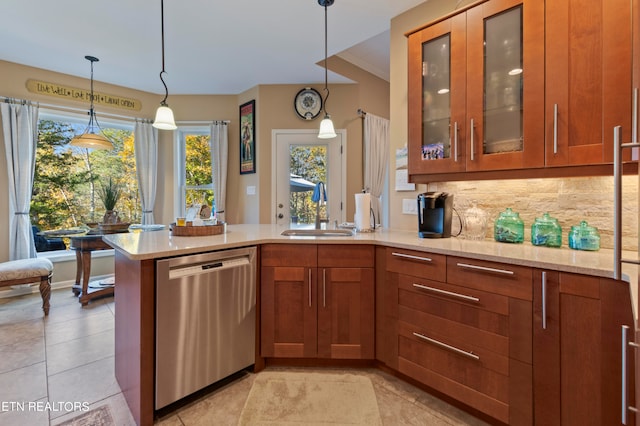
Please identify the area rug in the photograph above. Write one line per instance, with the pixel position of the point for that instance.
(100, 416)
(279, 397)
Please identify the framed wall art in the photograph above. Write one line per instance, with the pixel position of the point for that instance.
(247, 137)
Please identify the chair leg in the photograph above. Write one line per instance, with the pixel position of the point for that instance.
(45, 292)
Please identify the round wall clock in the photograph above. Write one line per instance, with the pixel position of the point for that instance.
(308, 103)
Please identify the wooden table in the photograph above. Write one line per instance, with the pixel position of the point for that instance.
(84, 245)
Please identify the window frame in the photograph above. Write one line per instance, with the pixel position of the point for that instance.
(180, 198)
(79, 118)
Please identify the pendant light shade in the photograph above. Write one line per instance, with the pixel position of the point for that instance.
(92, 136)
(164, 116)
(327, 130)
(164, 119)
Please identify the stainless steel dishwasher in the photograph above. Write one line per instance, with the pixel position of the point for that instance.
(205, 320)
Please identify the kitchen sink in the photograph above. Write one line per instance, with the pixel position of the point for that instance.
(317, 233)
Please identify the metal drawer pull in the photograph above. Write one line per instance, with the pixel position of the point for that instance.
(324, 288)
(544, 300)
(484, 268)
(309, 287)
(455, 141)
(408, 256)
(555, 128)
(625, 343)
(447, 293)
(472, 142)
(449, 347)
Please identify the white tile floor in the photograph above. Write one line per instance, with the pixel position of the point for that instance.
(68, 357)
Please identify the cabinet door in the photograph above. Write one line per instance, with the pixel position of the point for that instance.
(576, 357)
(288, 312)
(505, 85)
(588, 79)
(288, 316)
(546, 347)
(346, 313)
(436, 102)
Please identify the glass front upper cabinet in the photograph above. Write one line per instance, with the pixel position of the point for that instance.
(437, 98)
(503, 82)
(476, 90)
(505, 85)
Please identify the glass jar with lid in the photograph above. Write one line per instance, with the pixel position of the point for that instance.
(584, 237)
(475, 223)
(508, 228)
(546, 231)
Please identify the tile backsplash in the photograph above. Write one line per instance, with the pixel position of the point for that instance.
(570, 200)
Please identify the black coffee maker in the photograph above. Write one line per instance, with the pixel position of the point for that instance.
(434, 214)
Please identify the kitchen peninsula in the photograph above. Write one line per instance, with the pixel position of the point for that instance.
(516, 340)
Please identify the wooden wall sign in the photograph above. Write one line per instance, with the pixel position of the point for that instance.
(82, 95)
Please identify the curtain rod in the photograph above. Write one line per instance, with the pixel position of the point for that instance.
(109, 115)
(361, 113)
(204, 122)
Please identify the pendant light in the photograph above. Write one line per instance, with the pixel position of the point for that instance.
(90, 138)
(164, 116)
(326, 125)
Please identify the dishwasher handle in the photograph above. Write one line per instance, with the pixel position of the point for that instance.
(209, 267)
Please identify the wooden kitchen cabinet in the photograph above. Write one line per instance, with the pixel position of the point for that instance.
(464, 329)
(475, 90)
(317, 301)
(288, 306)
(577, 357)
(588, 72)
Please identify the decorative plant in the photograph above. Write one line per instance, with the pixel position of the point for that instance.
(109, 194)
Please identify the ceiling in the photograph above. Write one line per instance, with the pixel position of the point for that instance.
(211, 47)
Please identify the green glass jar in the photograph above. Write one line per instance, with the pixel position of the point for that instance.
(546, 231)
(508, 227)
(584, 237)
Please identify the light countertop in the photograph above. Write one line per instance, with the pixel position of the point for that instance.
(159, 244)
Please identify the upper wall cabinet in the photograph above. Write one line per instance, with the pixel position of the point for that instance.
(437, 97)
(523, 88)
(476, 98)
(588, 79)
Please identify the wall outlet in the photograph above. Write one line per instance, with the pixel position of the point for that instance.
(409, 206)
(251, 190)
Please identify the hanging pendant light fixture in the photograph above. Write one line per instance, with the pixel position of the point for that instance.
(90, 138)
(164, 116)
(327, 130)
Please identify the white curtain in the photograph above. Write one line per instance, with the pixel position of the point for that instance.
(20, 130)
(219, 159)
(146, 152)
(376, 153)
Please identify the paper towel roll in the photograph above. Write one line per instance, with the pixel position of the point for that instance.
(362, 217)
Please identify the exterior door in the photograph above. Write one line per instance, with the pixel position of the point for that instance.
(302, 162)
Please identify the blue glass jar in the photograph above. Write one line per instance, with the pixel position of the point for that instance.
(546, 231)
(584, 237)
(508, 227)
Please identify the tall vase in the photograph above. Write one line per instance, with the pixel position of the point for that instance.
(110, 217)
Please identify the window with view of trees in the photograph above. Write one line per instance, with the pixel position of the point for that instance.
(195, 179)
(67, 178)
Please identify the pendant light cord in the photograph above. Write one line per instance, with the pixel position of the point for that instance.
(326, 86)
(91, 110)
(166, 89)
